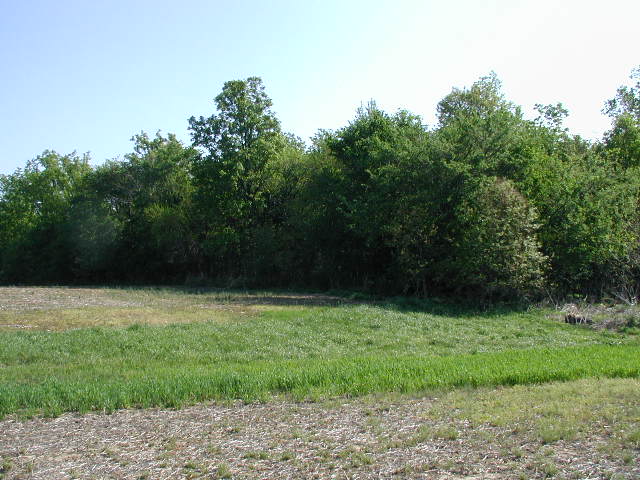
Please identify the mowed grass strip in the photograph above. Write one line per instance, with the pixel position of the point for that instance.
(172, 386)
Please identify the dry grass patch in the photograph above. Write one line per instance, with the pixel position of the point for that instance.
(64, 308)
(553, 413)
(67, 319)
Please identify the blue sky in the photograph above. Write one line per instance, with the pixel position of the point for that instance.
(87, 75)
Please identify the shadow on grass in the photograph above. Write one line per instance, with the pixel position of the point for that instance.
(301, 297)
(312, 298)
(450, 308)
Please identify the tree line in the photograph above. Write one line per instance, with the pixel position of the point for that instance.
(485, 204)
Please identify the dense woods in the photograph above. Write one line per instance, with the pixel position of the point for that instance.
(485, 204)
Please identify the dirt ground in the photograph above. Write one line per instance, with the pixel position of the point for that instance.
(343, 439)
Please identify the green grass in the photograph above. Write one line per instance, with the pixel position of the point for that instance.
(300, 332)
(608, 408)
(308, 352)
(78, 389)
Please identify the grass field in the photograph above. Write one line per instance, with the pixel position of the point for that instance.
(104, 349)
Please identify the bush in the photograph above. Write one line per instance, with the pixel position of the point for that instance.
(498, 253)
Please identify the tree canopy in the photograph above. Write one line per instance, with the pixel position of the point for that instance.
(485, 204)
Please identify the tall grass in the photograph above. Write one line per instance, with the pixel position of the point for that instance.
(175, 385)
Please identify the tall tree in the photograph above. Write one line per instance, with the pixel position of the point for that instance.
(623, 140)
(627, 99)
(236, 144)
(478, 127)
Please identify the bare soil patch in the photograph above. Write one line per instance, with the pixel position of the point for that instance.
(373, 437)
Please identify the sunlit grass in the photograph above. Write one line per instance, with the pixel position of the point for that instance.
(175, 347)
(122, 383)
(609, 408)
(297, 332)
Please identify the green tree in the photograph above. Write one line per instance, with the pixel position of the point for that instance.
(498, 252)
(237, 144)
(622, 142)
(552, 116)
(147, 198)
(627, 99)
(34, 207)
(351, 201)
(479, 128)
(459, 232)
(587, 212)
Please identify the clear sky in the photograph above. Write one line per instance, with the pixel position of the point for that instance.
(87, 75)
